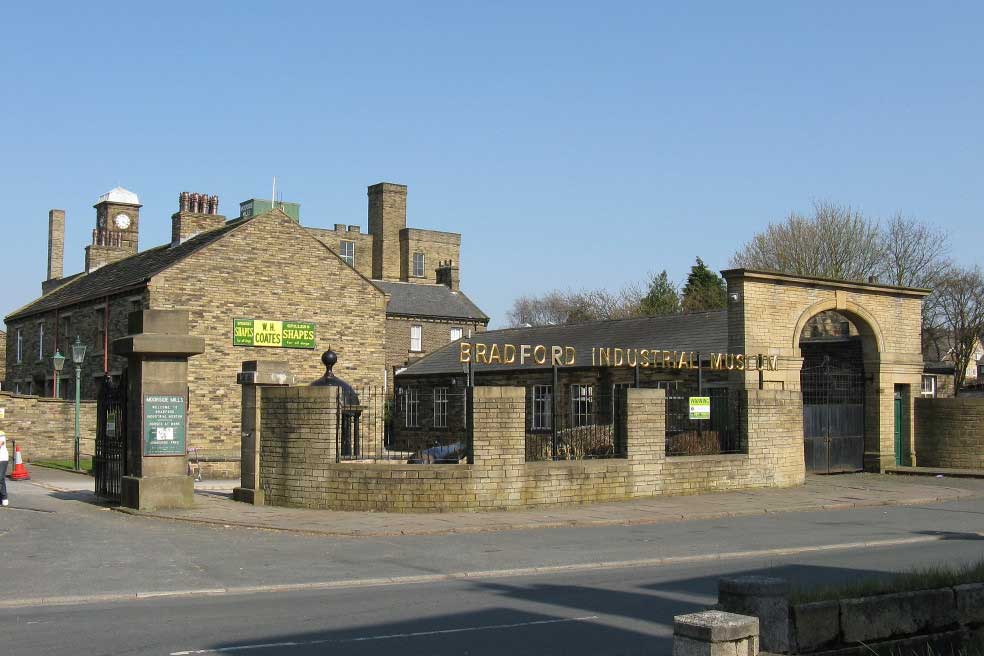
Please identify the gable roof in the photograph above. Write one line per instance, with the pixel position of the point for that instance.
(129, 273)
(429, 300)
(705, 332)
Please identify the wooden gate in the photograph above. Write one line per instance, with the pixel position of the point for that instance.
(833, 419)
(109, 461)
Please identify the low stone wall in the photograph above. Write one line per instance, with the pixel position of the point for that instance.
(950, 432)
(44, 428)
(298, 462)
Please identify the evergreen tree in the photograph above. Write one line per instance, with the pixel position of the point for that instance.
(705, 290)
(662, 297)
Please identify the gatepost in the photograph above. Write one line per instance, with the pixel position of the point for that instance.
(157, 349)
(255, 375)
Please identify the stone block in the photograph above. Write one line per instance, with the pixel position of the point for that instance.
(970, 603)
(715, 633)
(884, 616)
(815, 625)
(764, 597)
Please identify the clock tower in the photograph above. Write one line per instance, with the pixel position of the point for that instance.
(117, 227)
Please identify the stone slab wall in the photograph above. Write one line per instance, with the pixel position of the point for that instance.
(950, 432)
(298, 468)
(44, 428)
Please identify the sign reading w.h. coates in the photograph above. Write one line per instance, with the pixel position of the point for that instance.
(164, 425)
(274, 334)
(566, 356)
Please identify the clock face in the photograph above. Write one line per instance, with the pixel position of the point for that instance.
(122, 221)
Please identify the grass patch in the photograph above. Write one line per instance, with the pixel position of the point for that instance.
(923, 578)
(65, 465)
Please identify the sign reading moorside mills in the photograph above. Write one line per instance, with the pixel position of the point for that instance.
(273, 334)
(164, 425)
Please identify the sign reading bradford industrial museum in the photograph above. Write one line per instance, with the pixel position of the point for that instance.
(654, 358)
(275, 334)
(164, 425)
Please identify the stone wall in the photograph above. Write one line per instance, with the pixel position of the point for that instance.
(3, 356)
(44, 428)
(434, 334)
(950, 432)
(298, 468)
(363, 244)
(436, 246)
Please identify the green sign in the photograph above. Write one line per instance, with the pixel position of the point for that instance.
(164, 425)
(273, 334)
(700, 407)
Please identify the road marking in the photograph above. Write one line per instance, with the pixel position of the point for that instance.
(388, 636)
(470, 575)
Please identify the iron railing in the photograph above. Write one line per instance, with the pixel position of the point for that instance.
(720, 434)
(586, 422)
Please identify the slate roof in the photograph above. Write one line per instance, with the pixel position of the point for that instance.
(438, 301)
(705, 332)
(129, 273)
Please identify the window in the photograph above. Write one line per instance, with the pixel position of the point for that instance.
(20, 346)
(582, 402)
(65, 334)
(845, 329)
(41, 341)
(542, 407)
(440, 407)
(418, 264)
(411, 403)
(929, 386)
(455, 334)
(415, 332)
(100, 330)
(347, 251)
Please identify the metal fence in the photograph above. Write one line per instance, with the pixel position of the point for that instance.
(722, 433)
(417, 425)
(588, 424)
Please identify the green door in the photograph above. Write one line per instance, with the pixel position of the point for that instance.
(899, 447)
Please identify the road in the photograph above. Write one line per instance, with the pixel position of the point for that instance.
(603, 590)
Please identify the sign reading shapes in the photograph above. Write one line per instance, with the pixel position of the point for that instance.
(273, 334)
(700, 407)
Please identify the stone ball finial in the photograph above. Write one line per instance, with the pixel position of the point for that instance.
(329, 358)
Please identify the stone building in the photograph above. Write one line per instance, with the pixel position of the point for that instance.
(264, 267)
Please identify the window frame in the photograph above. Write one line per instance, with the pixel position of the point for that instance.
(440, 399)
(41, 341)
(348, 258)
(541, 407)
(413, 265)
(418, 339)
(582, 404)
(20, 346)
(411, 407)
(931, 394)
(460, 331)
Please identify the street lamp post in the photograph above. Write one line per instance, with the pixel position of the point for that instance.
(78, 356)
(58, 361)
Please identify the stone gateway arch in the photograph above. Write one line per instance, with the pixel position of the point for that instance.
(873, 365)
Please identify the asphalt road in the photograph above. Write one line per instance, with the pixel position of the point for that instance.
(623, 611)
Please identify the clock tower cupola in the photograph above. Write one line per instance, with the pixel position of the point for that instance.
(117, 228)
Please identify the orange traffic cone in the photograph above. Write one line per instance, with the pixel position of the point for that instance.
(20, 471)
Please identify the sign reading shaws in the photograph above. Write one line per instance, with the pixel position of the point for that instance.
(274, 334)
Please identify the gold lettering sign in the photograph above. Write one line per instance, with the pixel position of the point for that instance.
(605, 356)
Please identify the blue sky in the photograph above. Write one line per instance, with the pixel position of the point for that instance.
(574, 145)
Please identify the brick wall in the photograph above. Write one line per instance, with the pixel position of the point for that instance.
(44, 428)
(269, 268)
(435, 333)
(436, 246)
(950, 432)
(363, 244)
(298, 468)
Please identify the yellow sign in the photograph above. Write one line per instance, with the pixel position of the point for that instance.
(273, 334)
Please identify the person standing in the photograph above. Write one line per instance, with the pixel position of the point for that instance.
(4, 459)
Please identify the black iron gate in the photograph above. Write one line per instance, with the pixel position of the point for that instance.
(110, 458)
(833, 418)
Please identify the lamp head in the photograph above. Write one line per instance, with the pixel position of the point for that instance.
(78, 351)
(58, 360)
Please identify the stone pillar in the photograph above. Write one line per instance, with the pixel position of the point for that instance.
(715, 633)
(772, 421)
(763, 597)
(157, 349)
(255, 375)
(646, 439)
(499, 444)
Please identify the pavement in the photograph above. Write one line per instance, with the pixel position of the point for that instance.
(214, 506)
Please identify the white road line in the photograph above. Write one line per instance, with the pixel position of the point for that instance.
(389, 636)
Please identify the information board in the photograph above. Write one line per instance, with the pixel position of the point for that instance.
(164, 425)
(700, 407)
(273, 334)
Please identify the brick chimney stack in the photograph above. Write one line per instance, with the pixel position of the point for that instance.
(447, 274)
(56, 244)
(387, 217)
(197, 213)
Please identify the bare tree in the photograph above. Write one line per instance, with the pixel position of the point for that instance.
(954, 312)
(913, 252)
(836, 242)
(558, 307)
